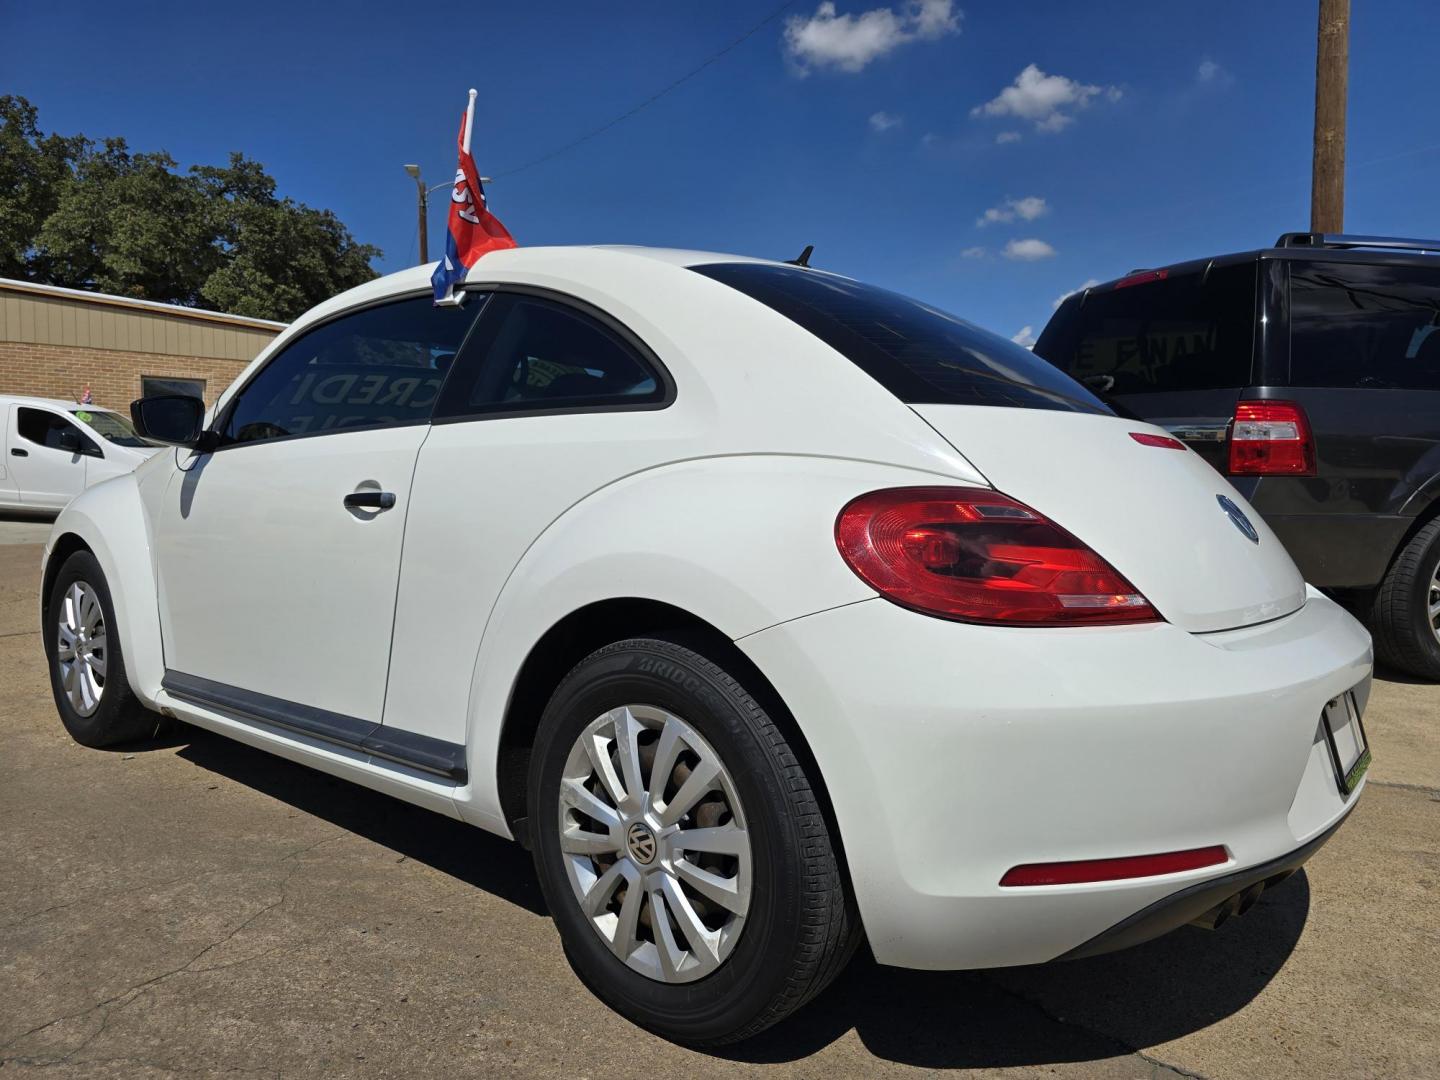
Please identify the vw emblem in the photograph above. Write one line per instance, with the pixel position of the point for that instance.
(642, 843)
(1237, 518)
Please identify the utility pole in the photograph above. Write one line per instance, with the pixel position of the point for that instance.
(423, 198)
(1332, 76)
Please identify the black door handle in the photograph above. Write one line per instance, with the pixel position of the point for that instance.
(370, 500)
(16, 451)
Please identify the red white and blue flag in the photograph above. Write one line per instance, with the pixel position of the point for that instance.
(473, 229)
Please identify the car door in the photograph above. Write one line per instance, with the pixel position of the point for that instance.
(9, 492)
(48, 457)
(552, 400)
(1364, 366)
(278, 551)
(1175, 349)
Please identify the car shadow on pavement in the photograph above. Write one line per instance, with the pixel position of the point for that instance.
(1384, 673)
(1082, 1010)
(462, 851)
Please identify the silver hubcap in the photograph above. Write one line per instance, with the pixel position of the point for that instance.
(81, 651)
(1432, 602)
(654, 842)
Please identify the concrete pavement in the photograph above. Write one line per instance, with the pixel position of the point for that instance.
(198, 908)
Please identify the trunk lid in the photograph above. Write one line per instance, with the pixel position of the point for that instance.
(1152, 512)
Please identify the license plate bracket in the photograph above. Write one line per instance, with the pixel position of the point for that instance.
(1346, 739)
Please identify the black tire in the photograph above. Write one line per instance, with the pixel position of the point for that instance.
(801, 927)
(1399, 614)
(119, 717)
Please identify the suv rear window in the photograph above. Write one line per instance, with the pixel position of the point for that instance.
(920, 354)
(1371, 326)
(1189, 332)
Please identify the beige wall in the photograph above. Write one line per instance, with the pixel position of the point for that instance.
(53, 344)
(113, 377)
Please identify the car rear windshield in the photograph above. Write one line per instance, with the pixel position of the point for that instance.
(920, 354)
(1179, 332)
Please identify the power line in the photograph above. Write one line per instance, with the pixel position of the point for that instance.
(652, 98)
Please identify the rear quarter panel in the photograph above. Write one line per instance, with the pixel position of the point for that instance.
(742, 542)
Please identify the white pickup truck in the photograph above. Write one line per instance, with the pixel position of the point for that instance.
(56, 449)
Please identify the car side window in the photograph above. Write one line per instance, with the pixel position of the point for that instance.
(378, 367)
(533, 353)
(1365, 326)
(49, 430)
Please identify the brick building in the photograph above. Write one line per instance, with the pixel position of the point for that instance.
(54, 342)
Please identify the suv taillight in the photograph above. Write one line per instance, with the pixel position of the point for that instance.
(978, 556)
(1271, 438)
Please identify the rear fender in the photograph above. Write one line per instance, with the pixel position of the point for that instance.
(742, 543)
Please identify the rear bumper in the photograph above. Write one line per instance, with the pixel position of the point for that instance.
(952, 753)
(1333, 551)
(1210, 901)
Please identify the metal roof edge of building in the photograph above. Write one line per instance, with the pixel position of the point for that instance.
(108, 300)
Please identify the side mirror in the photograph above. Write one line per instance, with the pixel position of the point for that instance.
(68, 439)
(171, 419)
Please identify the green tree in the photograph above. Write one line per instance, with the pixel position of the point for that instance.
(32, 169)
(103, 217)
(282, 257)
(129, 224)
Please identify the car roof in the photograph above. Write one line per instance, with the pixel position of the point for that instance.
(54, 403)
(593, 262)
(1307, 253)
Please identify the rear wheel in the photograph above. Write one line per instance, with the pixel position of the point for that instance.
(1405, 613)
(87, 667)
(681, 848)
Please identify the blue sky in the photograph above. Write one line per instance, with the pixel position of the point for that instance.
(1132, 133)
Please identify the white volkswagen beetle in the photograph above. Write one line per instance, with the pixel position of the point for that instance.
(765, 606)
(56, 449)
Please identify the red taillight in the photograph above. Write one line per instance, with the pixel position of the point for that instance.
(1073, 873)
(1144, 438)
(979, 556)
(1271, 438)
(1140, 277)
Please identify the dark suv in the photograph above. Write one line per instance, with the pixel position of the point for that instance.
(1309, 374)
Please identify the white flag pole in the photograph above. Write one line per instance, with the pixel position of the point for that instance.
(469, 120)
(453, 298)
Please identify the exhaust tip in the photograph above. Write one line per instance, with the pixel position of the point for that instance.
(1248, 898)
(1233, 906)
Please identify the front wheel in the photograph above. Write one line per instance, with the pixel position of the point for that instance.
(87, 667)
(681, 848)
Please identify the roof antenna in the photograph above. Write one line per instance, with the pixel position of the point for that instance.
(804, 259)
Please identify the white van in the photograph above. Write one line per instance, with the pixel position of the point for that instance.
(56, 449)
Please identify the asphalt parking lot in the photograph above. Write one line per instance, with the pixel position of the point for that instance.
(198, 908)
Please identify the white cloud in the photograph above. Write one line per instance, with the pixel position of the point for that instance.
(976, 252)
(884, 121)
(1087, 284)
(1024, 336)
(1027, 209)
(1048, 101)
(1028, 250)
(1209, 73)
(850, 42)
(934, 18)
(1008, 136)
